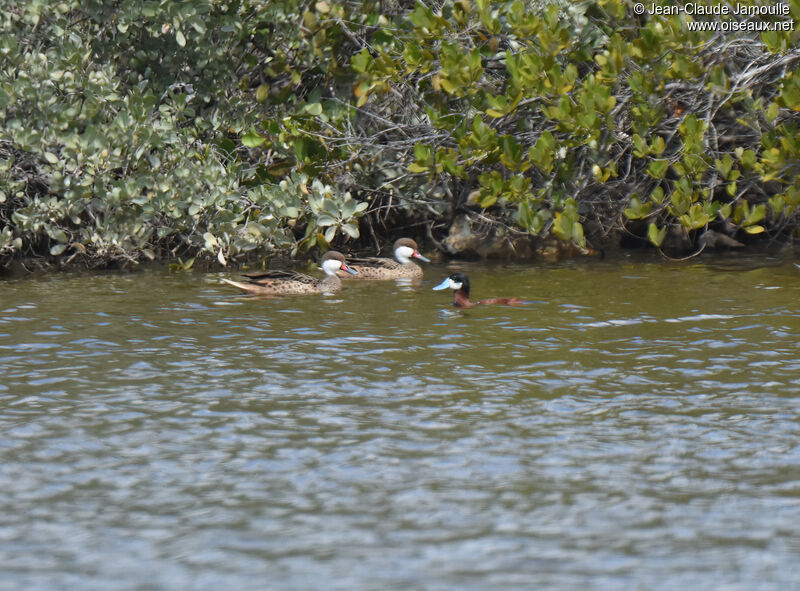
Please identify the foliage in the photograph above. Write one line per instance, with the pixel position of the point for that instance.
(232, 129)
(106, 156)
(566, 116)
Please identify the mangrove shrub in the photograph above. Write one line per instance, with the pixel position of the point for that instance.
(142, 130)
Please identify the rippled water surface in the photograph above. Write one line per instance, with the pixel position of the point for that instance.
(637, 426)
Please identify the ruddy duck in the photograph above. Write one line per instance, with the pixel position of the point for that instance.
(288, 282)
(382, 268)
(460, 283)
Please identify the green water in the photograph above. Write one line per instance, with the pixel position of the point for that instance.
(637, 426)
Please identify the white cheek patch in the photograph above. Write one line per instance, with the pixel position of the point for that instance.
(403, 254)
(455, 285)
(331, 266)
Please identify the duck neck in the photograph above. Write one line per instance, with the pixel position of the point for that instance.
(331, 280)
(461, 299)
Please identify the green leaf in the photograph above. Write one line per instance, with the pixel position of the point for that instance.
(563, 225)
(577, 235)
(181, 40)
(754, 229)
(658, 168)
(256, 230)
(655, 235)
(758, 213)
(51, 158)
(421, 151)
(325, 220)
(351, 230)
(724, 166)
(252, 140)
(362, 61)
(307, 148)
(59, 235)
(657, 196)
(211, 241)
(541, 154)
(57, 249)
(512, 152)
(637, 209)
(746, 157)
(488, 200)
(262, 93)
(695, 218)
(349, 208)
(331, 207)
(773, 111)
(640, 148)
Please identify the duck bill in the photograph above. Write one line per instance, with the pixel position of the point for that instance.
(416, 255)
(348, 269)
(443, 285)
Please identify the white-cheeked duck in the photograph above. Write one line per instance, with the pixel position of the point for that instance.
(289, 282)
(405, 249)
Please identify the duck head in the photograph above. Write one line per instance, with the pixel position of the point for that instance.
(405, 249)
(456, 282)
(332, 261)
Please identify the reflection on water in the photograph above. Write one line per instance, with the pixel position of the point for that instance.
(636, 426)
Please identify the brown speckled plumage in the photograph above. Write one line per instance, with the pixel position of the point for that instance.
(379, 268)
(289, 283)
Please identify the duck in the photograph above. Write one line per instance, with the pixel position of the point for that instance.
(459, 282)
(289, 282)
(382, 268)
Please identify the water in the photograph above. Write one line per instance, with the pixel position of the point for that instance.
(636, 427)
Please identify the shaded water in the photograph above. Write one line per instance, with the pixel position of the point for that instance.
(637, 426)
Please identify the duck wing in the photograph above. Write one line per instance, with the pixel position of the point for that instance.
(270, 277)
(377, 262)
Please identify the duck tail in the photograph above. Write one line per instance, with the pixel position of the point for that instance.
(245, 287)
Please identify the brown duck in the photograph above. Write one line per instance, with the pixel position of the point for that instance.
(287, 282)
(382, 268)
(460, 284)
